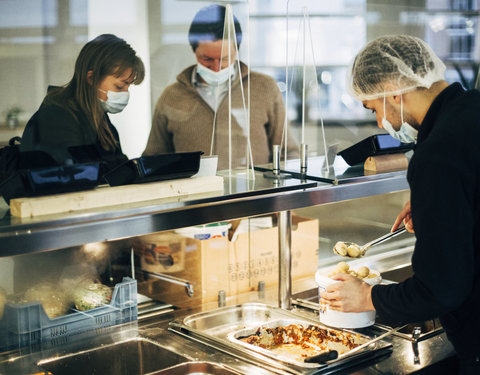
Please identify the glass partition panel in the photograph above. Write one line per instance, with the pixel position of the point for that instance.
(319, 39)
(41, 40)
(38, 46)
(199, 101)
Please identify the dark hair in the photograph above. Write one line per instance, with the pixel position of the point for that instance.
(208, 25)
(105, 55)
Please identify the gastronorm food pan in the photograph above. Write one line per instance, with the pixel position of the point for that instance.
(51, 180)
(64, 178)
(221, 328)
(292, 341)
(155, 168)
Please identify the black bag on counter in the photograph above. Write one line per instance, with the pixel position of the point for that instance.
(9, 158)
(12, 159)
(13, 163)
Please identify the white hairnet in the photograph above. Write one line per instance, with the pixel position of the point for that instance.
(393, 65)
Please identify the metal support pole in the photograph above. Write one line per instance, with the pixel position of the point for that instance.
(276, 160)
(275, 173)
(285, 260)
(303, 159)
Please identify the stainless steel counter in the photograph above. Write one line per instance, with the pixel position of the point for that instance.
(147, 345)
(241, 197)
(125, 355)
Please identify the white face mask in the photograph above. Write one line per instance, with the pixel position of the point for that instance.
(406, 134)
(116, 101)
(212, 77)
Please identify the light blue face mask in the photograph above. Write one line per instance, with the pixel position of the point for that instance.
(212, 77)
(406, 134)
(116, 101)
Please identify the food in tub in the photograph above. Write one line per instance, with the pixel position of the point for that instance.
(299, 342)
(362, 272)
(342, 319)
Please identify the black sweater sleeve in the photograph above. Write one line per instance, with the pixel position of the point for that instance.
(53, 129)
(68, 138)
(443, 176)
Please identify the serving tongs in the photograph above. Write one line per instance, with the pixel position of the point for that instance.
(323, 358)
(352, 250)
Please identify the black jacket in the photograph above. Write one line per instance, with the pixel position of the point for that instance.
(55, 130)
(444, 178)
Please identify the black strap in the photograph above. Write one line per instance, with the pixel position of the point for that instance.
(12, 141)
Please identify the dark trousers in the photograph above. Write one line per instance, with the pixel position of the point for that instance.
(469, 365)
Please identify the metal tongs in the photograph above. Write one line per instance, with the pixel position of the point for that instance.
(352, 250)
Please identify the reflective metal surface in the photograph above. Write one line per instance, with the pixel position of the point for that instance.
(197, 368)
(394, 266)
(242, 197)
(136, 356)
(338, 173)
(46, 232)
(435, 353)
(217, 328)
(284, 259)
(296, 357)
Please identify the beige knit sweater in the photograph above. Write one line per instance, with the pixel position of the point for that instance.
(183, 121)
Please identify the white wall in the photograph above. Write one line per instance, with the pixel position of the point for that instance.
(128, 20)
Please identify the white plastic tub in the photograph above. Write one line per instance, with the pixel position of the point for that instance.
(205, 232)
(208, 166)
(341, 319)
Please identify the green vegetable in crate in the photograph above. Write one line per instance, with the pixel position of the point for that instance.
(91, 295)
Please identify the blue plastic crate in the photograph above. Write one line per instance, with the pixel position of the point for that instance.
(28, 324)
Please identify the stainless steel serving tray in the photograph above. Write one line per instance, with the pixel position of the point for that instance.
(292, 359)
(220, 327)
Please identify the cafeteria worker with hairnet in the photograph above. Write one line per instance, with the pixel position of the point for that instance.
(401, 80)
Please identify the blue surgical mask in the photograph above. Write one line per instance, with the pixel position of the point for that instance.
(406, 134)
(212, 77)
(116, 101)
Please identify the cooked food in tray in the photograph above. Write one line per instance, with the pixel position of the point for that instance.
(299, 341)
(252, 330)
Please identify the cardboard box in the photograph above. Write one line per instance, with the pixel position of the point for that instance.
(253, 256)
(237, 267)
(205, 268)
